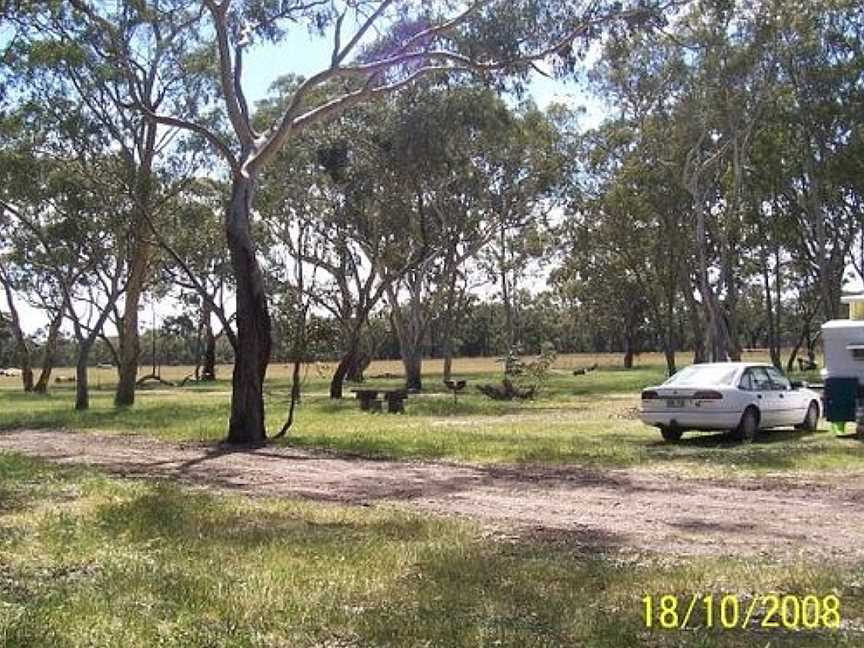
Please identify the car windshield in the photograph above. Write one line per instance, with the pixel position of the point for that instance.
(703, 375)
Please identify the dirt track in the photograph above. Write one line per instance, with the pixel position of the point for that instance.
(608, 509)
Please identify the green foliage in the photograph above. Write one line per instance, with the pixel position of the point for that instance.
(537, 372)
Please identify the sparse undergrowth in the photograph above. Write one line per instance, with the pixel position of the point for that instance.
(90, 560)
(587, 420)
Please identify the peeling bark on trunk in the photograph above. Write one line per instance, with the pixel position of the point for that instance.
(252, 355)
(139, 267)
(130, 344)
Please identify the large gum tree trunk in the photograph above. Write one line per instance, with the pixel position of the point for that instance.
(409, 322)
(342, 369)
(252, 354)
(412, 360)
(208, 354)
(82, 391)
(361, 362)
(208, 372)
(130, 344)
(139, 265)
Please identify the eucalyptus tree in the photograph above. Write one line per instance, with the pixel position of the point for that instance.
(629, 223)
(625, 244)
(411, 40)
(20, 171)
(815, 133)
(437, 138)
(350, 220)
(689, 109)
(10, 128)
(524, 172)
(12, 320)
(68, 241)
(195, 264)
(722, 106)
(62, 59)
(474, 167)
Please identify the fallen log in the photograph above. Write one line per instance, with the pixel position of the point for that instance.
(506, 391)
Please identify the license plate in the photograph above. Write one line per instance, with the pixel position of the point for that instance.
(675, 402)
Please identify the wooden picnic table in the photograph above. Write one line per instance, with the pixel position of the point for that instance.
(369, 399)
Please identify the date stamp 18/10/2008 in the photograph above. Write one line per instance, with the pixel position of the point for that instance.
(729, 611)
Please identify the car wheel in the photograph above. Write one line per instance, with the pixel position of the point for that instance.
(748, 427)
(811, 419)
(671, 433)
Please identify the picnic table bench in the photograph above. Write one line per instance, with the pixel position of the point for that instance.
(369, 399)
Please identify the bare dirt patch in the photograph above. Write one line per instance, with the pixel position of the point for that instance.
(610, 509)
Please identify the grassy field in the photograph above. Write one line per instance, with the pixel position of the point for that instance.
(586, 419)
(88, 560)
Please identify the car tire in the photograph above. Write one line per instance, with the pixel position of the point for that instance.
(748, 427)
(811, 419)
(671, 434)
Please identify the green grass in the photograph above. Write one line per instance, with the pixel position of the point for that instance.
(585, 420)
(89, 560)
(92, 560)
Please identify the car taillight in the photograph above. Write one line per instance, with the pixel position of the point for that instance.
(707, 395)
(649, 394)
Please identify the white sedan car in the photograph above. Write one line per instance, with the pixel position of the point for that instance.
(737, 396)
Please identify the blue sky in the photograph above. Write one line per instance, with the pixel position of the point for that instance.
(304, 54)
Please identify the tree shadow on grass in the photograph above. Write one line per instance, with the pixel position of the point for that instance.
(204, 521)
(154, 416)
(451, 589)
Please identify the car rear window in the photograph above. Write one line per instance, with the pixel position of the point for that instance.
(703, 375)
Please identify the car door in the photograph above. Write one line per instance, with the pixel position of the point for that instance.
(766, 397)
(789, 411)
